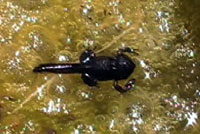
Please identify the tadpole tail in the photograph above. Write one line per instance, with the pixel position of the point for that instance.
(61, 68)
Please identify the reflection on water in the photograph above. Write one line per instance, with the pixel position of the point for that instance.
(166, 97)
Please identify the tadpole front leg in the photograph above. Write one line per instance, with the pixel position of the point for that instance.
(128, 86)
(127, 50)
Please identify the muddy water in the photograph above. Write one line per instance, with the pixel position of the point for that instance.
(166, 96)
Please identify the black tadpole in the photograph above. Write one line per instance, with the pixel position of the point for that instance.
(96, 68)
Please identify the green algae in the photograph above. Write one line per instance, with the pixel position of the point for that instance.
(166, 97)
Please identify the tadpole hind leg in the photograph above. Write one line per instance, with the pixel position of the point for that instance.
(87, 56)
(89, 80)
(118, 87)
(128, 86)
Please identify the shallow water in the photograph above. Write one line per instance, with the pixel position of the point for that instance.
(166, 97)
